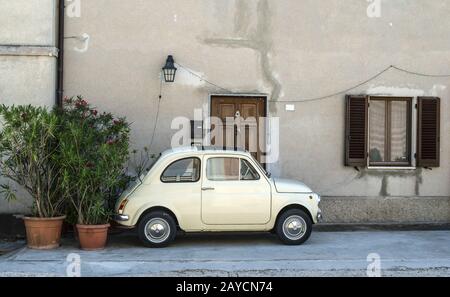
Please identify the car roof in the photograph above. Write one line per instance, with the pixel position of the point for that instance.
(203, 150)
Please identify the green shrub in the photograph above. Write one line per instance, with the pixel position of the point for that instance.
(28, 146)
(93, 150)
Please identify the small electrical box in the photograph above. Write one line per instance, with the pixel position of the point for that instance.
(196, 132)
(290, 107)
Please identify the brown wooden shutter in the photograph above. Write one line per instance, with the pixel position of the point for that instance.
(428, 138)
(356, 130)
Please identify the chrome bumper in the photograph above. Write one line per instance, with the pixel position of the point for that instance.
(120, 218)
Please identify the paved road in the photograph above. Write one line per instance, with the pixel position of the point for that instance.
(402, 253)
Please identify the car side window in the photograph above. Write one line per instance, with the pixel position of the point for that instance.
(248, 172)
(183, 170)
(222, 169)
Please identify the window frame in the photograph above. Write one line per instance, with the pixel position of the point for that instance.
(249, 164)
(222, 180)
(240, 165)
(388, 117)
(173, 162)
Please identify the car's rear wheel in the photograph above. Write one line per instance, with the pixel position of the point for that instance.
(157, 229)
(293, 227)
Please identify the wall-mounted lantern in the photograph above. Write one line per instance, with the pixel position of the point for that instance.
(169, 69)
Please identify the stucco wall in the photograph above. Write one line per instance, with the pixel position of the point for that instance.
(27, 51)
(29, 22)
(27, 61)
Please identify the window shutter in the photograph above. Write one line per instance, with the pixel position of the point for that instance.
(428, 139)
(356, 130)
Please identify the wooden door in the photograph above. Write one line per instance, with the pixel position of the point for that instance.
(245, 113)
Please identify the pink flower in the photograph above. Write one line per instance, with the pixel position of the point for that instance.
(110, 142)
(94, 112)
(80, 103)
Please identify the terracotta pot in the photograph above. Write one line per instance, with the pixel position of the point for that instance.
(43, 233)
(92, 237)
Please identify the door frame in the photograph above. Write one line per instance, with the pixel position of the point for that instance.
(249, 95)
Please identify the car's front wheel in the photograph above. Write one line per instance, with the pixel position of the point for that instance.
(157, 229)
(293, 227)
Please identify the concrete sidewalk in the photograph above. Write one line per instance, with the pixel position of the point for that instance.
(402, 253)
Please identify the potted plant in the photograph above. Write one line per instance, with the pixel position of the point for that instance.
(93, 149)
(28, 145)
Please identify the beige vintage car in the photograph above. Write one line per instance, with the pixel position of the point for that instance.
(194, 189)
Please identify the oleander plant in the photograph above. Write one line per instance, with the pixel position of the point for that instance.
(71, 161)
(28, 159)
(93, 151)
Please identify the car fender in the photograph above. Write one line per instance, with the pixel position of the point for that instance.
(283, 200)
(149, 205)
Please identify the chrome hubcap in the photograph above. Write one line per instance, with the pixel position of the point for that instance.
(157, 230)
(294, 227)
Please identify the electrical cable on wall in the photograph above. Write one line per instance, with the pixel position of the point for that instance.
(329, 95)
(157, 112)
(289, 101)
(418, 73)
(347, 180)
(366, 81)
(340, 92)
(202, 79)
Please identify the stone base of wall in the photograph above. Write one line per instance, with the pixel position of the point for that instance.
(336, 227)
(386, 210)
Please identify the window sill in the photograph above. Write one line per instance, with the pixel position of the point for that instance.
(391, 167)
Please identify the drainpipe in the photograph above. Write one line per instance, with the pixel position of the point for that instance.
(60, 62)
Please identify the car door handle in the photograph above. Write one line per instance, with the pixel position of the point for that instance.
(207, 188)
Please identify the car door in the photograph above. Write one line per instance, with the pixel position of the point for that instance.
(234, 192)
